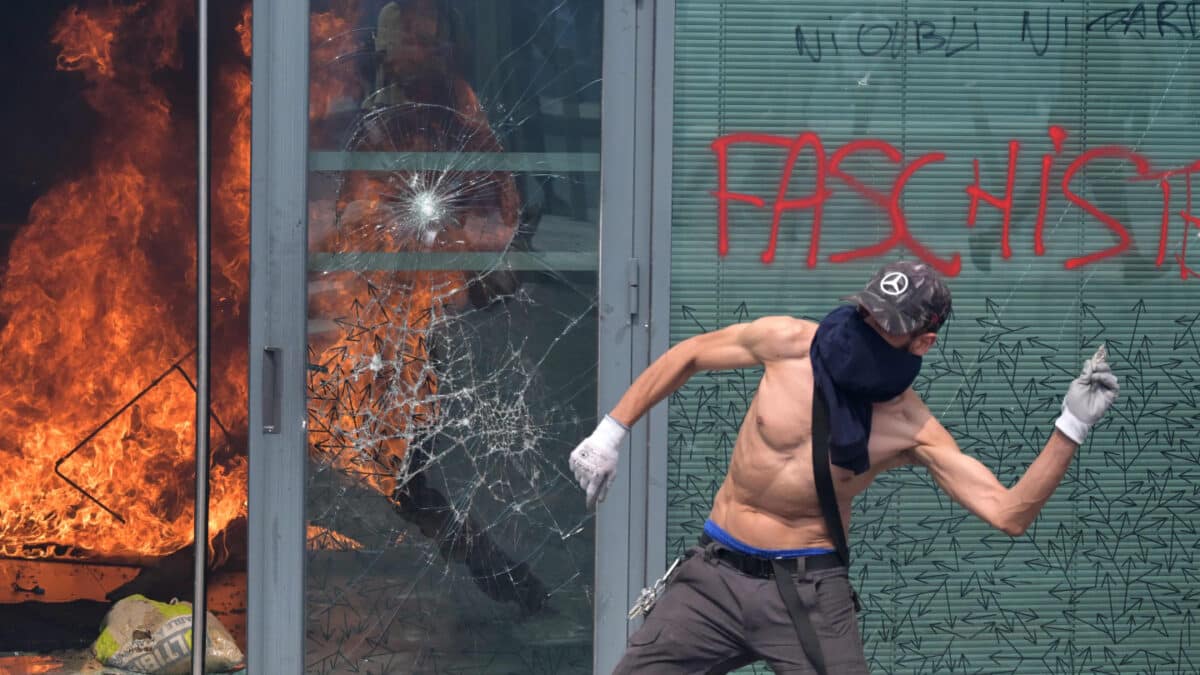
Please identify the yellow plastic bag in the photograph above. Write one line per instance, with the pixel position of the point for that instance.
(145, 636)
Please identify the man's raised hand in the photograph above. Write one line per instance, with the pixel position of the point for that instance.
(1088, 398)
(594, 461)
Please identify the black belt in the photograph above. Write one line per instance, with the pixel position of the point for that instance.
(783, 569)
(764, 568)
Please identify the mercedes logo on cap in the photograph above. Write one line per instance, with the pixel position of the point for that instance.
(894, 283)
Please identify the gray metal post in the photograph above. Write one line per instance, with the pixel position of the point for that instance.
(200, 520)
(659, 285)
(278, 249)
(613, 535)
(643, 453)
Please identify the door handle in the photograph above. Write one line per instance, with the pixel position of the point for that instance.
(270, 390)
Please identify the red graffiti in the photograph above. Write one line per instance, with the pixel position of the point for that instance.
(1112, 223)
(1189, 219)
(890, 203)
(1190, 222)
(1005, 205)
(828, 173)
(1186, 272)
(813, 201)
(1057, 135)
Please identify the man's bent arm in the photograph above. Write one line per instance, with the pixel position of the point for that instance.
(738, 346)
(970, 483)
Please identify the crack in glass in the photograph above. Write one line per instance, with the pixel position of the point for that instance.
(451, 361)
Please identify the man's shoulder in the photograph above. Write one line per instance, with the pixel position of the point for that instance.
(782, 336)
(786, 324)
(908, 415)
(898, 428)
(908, 411)
(909, 405)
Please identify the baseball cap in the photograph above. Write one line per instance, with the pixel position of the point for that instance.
(904, 297)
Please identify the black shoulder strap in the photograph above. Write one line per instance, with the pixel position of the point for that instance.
(824, 478)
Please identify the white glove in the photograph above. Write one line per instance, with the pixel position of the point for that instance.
(1088, 398)
(594, 461)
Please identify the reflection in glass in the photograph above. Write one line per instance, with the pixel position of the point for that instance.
(452, 334)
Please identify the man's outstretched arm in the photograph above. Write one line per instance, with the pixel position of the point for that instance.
(594, 461)
(741, 345)
(1014, 509)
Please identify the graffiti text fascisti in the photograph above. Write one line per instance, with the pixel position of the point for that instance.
(829, 177)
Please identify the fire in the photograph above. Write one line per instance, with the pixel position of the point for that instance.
(97, 299)
(86, 39)
(33, 665)
(329, 33)
(98, 305)
(324, 539)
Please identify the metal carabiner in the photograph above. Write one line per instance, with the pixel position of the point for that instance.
(649, 596)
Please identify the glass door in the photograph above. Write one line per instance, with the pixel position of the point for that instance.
(453, 195)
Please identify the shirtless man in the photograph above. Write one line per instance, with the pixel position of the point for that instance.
(722, 607)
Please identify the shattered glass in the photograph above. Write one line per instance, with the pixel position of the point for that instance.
(453, 202)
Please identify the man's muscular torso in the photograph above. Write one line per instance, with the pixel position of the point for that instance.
(769, 499)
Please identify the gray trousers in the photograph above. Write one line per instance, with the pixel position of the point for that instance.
(714, 618)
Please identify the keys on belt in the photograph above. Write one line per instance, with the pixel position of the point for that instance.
(649, 596)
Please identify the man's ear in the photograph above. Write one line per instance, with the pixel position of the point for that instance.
(923, 344)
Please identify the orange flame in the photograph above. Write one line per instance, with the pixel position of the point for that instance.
(324, 539)
(97, 301)
(329, 33)
(244, 32)
(86, 39)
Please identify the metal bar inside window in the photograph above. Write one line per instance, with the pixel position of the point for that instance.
(560, 261)
(542, 162)
(200, 513)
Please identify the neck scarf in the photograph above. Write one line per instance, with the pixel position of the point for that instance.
(853, 367)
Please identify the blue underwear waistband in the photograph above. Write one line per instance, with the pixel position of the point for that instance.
(727, 540)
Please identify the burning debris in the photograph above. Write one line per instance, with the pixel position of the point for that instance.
(93, 286)
(97, 296)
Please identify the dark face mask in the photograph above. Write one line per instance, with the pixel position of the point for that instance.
(906, 347)
(860, 361)
(853, 368)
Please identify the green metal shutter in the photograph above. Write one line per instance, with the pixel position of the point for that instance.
(1106, 580)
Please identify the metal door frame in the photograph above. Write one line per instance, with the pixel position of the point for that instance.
(278, 417)
(631, 547)
(619, 310)
(630, 528)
